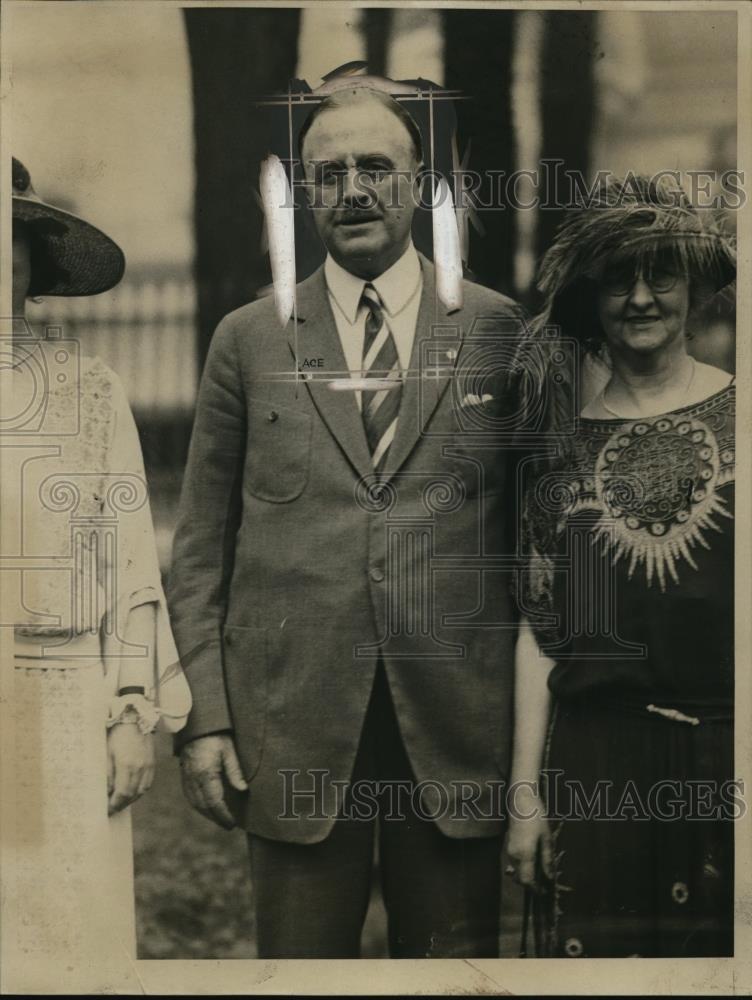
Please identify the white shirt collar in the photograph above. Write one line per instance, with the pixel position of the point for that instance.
(396, 286)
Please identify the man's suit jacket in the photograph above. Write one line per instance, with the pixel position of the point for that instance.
(289, 579)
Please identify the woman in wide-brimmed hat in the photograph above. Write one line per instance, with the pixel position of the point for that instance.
(96, 669)
(625, 666)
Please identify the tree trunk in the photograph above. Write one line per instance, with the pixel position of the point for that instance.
(376, 27)
(237, 56)
(567, 106)
(478, 61)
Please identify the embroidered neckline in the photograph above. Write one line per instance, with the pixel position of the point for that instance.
(689, 409)
(654, 485)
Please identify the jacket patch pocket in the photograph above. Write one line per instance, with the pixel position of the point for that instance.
(279, 451)
(246, 678)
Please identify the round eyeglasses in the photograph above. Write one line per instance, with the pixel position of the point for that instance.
(620, 279)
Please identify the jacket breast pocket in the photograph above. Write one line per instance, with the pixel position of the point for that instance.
(246, 679)
(478, 443)
(279, 451)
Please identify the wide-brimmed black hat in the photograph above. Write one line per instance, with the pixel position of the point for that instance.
(81, 259)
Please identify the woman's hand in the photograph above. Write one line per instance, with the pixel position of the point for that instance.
(530, 839)
(130, 765)
(530, 845)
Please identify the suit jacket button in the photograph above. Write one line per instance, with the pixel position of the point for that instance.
(377, 574)
(273, 415)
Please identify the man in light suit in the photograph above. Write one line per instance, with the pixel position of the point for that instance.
(339, 589)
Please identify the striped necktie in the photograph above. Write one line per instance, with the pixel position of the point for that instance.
(380, 361)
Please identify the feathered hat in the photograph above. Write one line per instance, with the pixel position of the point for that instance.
(636, 218)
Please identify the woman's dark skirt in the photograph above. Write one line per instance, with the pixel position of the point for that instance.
(641, 809)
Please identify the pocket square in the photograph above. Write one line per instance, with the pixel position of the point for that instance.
(472, 400)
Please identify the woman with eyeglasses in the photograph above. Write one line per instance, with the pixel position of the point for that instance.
(623, 795)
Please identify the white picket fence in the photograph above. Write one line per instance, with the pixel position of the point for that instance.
(145, 330)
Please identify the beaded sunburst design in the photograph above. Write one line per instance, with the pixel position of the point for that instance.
(656, 484)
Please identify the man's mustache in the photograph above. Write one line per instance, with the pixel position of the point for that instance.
(350, 215)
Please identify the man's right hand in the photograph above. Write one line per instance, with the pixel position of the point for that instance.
(202, 763)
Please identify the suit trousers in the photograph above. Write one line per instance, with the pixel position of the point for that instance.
(442, 894)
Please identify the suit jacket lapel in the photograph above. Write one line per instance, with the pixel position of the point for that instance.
(318, 338)
(436, 346)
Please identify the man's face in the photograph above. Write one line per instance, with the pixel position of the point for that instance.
(360, 163)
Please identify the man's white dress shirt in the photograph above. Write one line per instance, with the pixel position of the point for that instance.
(399, 289)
